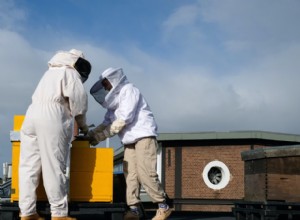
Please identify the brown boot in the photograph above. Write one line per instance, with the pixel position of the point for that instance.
(32, 217)
(63, 218)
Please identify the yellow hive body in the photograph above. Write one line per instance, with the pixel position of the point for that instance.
(91, 174)
(91, 171)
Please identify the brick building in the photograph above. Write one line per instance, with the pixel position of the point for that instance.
(204, 171)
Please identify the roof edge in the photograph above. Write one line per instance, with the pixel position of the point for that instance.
(266, 135)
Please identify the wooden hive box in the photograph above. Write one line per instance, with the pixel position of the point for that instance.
(272, 174)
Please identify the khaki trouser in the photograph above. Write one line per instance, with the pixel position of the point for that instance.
(139, 168)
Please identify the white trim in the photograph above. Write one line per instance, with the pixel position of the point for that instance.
(14, 135)
(159, 162)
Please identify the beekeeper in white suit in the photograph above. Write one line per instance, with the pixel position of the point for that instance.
(47, 132)
(129, 116)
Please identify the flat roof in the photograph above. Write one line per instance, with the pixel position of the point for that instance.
(238, 135)
(280, 138)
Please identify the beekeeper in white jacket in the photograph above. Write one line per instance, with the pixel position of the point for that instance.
(129, 115)
(47, 132)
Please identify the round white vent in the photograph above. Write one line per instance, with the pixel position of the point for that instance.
(216, 175)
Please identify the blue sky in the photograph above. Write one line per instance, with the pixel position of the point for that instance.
(205, 65)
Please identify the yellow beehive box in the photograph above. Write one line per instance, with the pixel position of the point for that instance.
(91, 174)
(91, 171)
(18, 121)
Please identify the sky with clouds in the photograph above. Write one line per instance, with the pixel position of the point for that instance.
(202, 65)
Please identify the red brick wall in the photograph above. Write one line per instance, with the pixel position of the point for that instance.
(194, 159)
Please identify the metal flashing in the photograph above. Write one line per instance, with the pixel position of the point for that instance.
(230, 135)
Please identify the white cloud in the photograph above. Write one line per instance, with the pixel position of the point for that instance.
(10, 15)
(261, 22)
(184, 16)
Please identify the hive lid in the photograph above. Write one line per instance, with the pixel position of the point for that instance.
(268, 152)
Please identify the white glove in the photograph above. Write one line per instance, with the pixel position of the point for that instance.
(114, 128)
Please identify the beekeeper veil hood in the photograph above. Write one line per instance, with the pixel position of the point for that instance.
(74, 59)
(117, 79)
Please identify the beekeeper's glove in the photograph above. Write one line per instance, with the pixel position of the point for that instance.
(99, 128)
(114, 128)
(92, 140)
(96, 135)
(81, 122)
(84, 130)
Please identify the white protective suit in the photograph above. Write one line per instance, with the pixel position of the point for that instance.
(47, 132)
(128, 113)
(129, 116)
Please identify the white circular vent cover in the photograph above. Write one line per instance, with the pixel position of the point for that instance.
(216, 175)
